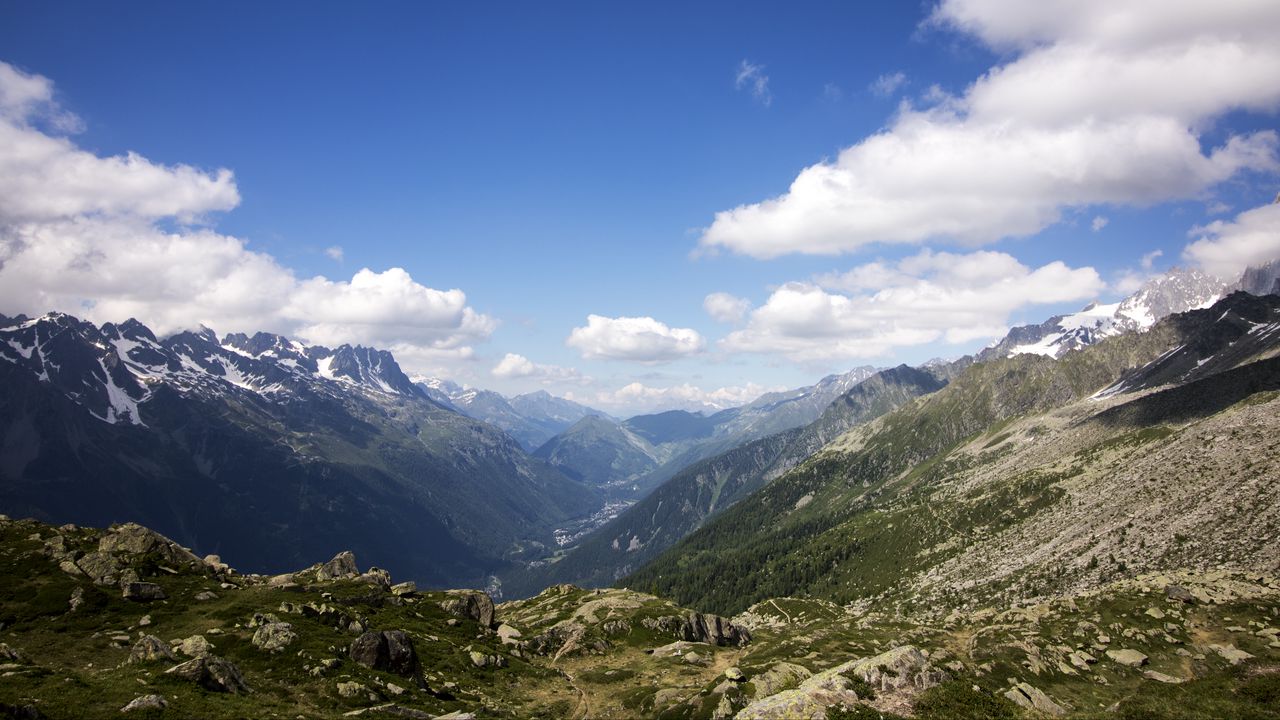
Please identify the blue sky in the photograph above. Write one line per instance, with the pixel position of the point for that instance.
(559, 160)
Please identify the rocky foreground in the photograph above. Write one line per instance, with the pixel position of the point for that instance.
(124, 622)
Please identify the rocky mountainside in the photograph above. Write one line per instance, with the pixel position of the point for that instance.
(599, 451)
(532, 419)
(1177, 291)
(264, 450)
(125, 622)
(708, 487)
(1025, 476)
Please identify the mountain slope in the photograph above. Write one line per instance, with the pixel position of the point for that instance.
(263, 450)
(707, 487)
(598, 451)
(1013, 481)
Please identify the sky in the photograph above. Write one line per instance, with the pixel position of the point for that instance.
(640, 205)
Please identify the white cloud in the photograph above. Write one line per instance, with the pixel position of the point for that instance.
(639, 339)
(1227, 248)
(725, 308)
(1098, 223)
(831, 92)
(1150, 258)
(513, 365)
(334, 252)
(888, 84)
(1104, 102)
(751, 77)
(875, 308)
(83, 234)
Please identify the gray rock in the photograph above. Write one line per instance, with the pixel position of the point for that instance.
(1131, 658)
(142, 591)
(195, 646)
(146, 702)
(206, 595)
(274, 636)
(1231, 653)
(484, 660)
(472, 604)
(1179, 593)
(343, 565)
(1034, 699)
(779, 677)
(150, 648)
(134, 539)
(352, 689)
(508, 635)
(377, 577)
(1161, 677)
(101, 567)
(390, 650)
(211, 673)
(404, 588)
(735, 674)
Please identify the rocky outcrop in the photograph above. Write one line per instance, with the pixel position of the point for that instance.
(896, 676)
(1034, 699)
(212, 673)
(390, 650)
(472, 604)
(134, 539)
(699, 627)
(779, 677)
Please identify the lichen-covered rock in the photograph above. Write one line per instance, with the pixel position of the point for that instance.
(101, 567)
(150, 648)
(195, 646)
(405, 588)
(472, 604)
(211, 673)
(274, 636)
(486, 660)
(390, 650)
(779, 677)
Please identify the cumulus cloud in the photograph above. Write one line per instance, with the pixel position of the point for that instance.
(513, 365)
(639, 339)
(875, 308)
(1227, 248)
(725, 308)
(1103, 102)
(1098, 223)
(888, 84)
(87, 235)
(751, 77)
(334, 252)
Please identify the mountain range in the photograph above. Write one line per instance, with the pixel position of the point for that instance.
(264, 449)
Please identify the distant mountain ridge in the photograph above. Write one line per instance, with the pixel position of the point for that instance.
(532, 419)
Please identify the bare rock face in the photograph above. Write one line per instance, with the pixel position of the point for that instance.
(473, 604)
(212, 673)
(146, 702)
(390, 650)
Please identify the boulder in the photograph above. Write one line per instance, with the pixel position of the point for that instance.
(1131, 658)
(472, 604)
(274, 636)
(404, 588)
(508, 635)
(1161, 677)
(1231, 653)
(134, 539)
(146, 702)
(195, 646)
(1179, 594)
(343, 565)
(206, 595)
(150, 648)
(485, 660)
(735, 674)
(390, 650)
(699, 627)
(352, 689)
(211, 673)
(1034, 699)
(378, 578)
(142, 591)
